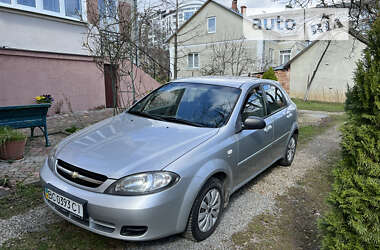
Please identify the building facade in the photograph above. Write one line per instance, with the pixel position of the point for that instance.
(164, 21)
(334, 69)
(41, 52)
(204, 39)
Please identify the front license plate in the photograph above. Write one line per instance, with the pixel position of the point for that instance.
(64, 202)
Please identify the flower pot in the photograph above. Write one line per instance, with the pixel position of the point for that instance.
(12, 150)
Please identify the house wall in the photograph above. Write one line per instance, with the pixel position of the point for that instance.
(194, 38)
(229, 26)
(206, 55)
(334, 74)
(73, 80)
(43, 54)
(144, 84)
(36, 32)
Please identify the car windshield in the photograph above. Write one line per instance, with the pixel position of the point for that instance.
(194, 104)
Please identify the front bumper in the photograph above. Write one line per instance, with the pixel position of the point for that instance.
(107, 214)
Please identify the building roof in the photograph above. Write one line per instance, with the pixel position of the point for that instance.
(352, 33)
(200, 9)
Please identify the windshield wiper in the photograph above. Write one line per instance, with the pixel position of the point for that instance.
(178, 120)
(147, 115)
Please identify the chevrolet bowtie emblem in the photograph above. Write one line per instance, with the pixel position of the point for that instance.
(74, 175)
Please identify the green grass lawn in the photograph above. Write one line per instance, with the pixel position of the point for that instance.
(319, 106)
(306, 133)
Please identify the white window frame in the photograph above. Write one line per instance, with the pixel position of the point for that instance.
(284, 53)
(40, 10)
(187, 12)
(208, 26)
(192, 54)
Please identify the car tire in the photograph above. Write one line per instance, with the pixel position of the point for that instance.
(207, 206)
(290, 151)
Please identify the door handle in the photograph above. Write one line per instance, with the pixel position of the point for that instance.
(267, 128)
(289, 114)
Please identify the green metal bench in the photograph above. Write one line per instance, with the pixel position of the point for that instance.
(28, 116)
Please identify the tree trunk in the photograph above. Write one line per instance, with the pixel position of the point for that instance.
(114, 88)
(136, 31)
(176, 43)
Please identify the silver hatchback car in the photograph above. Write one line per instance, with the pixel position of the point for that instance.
(170, 163)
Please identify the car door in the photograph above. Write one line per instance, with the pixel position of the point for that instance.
(253, 144)
(277, 109)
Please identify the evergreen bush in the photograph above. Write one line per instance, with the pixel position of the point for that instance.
(269, 74)
(354, 219)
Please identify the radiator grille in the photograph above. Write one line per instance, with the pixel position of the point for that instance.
(79, 176)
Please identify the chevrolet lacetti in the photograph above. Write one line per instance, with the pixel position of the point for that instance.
(169, 164)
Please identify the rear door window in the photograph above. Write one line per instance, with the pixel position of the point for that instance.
(274, 98)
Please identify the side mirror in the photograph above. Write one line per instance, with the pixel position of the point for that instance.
(253, 122)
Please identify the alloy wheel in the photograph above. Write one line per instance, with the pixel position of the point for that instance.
(291, 149)
(209, 210)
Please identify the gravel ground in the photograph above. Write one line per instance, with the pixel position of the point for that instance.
(253, 199)
(31, 221)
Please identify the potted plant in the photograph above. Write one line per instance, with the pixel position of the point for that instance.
(44, 99)
(12, 144)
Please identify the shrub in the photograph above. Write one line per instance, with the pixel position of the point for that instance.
(354, 219)
(10, 134)
(269, 74)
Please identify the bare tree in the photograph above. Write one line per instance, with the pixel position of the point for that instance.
(179, 38)
(113, 40)
(228, 58)
(154, 59)
(110, 41)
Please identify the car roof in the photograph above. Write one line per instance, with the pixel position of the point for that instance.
(229, 81)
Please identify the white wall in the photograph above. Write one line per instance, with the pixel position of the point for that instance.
(39, 33)
(334, 74)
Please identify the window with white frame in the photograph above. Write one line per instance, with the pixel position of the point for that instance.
(30, 3)
(211, 24)
(69, 9)
(73, 8)
(284, 56)
(187, 15)
(52, 5)
(193, 60)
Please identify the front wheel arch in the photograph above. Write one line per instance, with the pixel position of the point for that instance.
(213, 168)
(193, 231)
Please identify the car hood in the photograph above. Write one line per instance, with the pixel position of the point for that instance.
(128, 144)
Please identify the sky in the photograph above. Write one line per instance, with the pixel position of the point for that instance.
(228, 3)
(256, 3)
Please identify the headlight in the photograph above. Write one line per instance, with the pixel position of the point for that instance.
(51, 158)
(144, 183)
